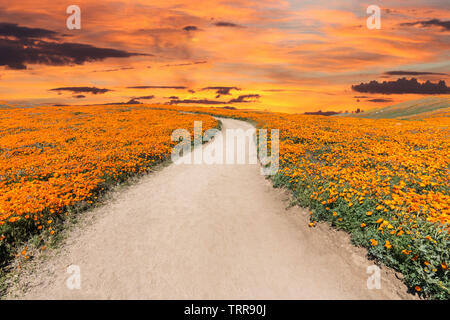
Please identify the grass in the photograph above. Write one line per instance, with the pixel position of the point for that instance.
(413, 108)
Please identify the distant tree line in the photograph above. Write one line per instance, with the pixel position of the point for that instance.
(332, 113)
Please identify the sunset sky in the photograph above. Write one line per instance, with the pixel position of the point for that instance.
(291, 56)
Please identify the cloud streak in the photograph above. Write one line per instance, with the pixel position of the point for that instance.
(158, 87)
(93, 90)
(186, 64)
(445, 25)
(413, 73)
(145, 97)
(222, 90)
(24, 33)
(245, 98)
(190, 28)
(241, 99)
(227, 24)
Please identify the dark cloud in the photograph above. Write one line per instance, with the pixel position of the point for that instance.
(80, 96)
(145, 97)
(157, 87)
(132, 101)
(295, 90)
(244, 98)
(18, 32)
(240, 99)
(190, 28)
(379, 100)
(412, 73)
(227, 24)
(197, 101)
(403, 85)
(113, 70)
(445, 25)
(20, 46)
(186, 64)
(92, 90)
(221, 90)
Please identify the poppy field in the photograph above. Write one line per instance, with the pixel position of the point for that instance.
(54, 160)
(384, 181)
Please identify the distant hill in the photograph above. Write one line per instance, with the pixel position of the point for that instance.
(322, 113)
(413, 109)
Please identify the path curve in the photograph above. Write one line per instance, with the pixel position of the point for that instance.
(207, 232)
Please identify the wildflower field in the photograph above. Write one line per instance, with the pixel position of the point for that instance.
(385, 181)
(56, 159)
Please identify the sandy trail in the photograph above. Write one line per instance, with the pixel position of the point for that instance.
(207, 232)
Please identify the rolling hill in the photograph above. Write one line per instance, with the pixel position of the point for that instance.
(413, 109)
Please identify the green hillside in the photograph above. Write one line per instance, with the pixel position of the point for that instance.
(408, 109)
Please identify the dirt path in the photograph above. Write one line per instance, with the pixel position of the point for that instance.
(207, 232)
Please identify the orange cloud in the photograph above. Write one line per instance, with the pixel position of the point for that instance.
(296, 56)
